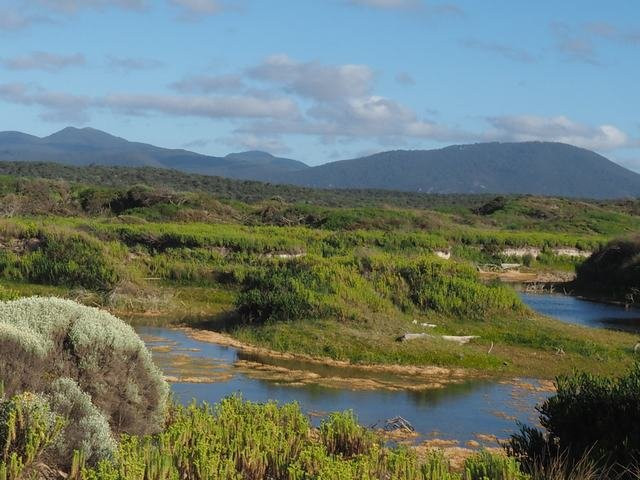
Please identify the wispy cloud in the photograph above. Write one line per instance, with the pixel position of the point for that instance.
(197, 9)
(405, 78)
(411, 5)
(128, 64)
(72, 6)
(47, 61)
(507, 51)
(575, 44)
(228, 107)
(56, 106)
(209, 83)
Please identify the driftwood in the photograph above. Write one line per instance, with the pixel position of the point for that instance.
(398, 423)
(459, 339)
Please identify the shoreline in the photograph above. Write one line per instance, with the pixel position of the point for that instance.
(401, 377)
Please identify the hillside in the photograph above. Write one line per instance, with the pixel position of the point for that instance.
(538, 168)
(87, 146)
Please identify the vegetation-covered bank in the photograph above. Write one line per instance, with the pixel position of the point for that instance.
(342, 283)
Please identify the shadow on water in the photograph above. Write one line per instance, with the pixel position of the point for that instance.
(457, 411)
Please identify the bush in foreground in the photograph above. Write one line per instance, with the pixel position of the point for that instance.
(43, 340)
(592, 421)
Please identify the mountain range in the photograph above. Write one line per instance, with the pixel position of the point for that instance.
(540, 168)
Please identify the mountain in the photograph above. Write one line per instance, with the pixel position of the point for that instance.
(87, 146)
(540, 168)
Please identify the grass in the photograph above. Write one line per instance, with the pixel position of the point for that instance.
(358, 276)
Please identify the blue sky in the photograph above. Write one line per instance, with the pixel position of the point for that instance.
(321, 80)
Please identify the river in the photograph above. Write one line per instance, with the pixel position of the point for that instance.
(465, 412)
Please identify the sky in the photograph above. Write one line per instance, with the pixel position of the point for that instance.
(324, 80)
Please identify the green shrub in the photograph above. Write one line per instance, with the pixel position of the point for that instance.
(285, 291)
(74, 260)
(589, 416)
(488, 466)
(342, 435)
(44, 339)
(613, 269)
(28, 428)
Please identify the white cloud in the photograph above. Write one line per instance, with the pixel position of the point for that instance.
(273, 145)
(557, 129)
(57, 106)
(209, 83)
(315, 80)
(47, 61)
(202, 106)
(71, 6)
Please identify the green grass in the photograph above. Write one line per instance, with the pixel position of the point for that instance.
(361, 272)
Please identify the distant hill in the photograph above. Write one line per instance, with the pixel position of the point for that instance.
(539, 168)
(87, 146)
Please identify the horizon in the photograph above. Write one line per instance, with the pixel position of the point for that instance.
(229, 153)
(363, 77)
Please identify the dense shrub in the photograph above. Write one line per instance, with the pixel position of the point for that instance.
(590, 415)
(44, 339)
(613, 269)
(55, 257)
(284, 291)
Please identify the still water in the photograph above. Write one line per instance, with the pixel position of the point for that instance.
(583, 312)
(209, 372)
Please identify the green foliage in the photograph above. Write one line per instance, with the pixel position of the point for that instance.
(590, 416)
(486, 466)
(342, 435)
(56, 257)
(614, 270)
(27, 429)
(242, 440)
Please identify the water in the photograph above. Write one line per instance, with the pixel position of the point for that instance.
(583, 312)
(209, 372)
(457, 412)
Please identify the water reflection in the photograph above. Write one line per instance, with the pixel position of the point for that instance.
(583, 312)
(458, 411)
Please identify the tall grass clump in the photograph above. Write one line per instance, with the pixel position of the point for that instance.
(342, 435)
(46, 339)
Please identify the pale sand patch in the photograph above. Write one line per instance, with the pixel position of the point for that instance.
(216, 378)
